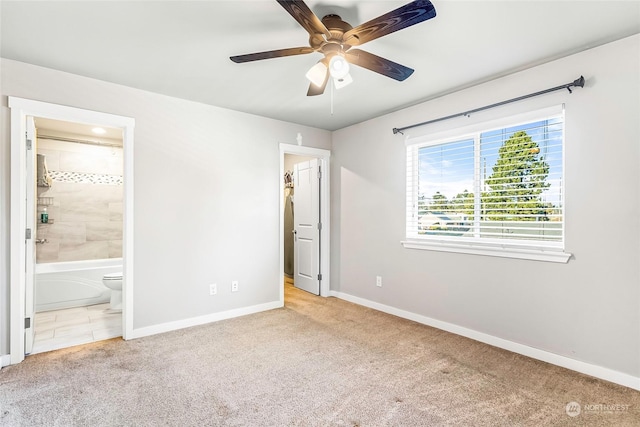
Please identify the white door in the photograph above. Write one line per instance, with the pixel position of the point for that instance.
(30, 254)
(306, 223)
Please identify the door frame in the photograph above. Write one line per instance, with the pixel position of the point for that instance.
(20, 109)
(324, 158)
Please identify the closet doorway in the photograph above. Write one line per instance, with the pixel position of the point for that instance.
(301, 235)
(304, 219)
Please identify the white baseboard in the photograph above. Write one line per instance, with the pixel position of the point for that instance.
(5, 360)
(201, 320)
(535, 353)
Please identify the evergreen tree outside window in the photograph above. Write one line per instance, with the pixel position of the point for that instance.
(498, 184)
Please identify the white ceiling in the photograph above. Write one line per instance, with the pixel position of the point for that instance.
(77, 131)
(182, 48)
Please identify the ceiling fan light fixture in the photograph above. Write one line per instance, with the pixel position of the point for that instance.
(345, 81)
(317, 73)
(338, 67)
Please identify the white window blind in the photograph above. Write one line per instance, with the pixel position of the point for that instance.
(499, 184)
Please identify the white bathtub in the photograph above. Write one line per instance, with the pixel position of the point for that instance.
(61, 285)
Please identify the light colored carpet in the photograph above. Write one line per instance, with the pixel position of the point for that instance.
(316, 362)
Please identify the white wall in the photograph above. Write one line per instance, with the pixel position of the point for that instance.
(206, 191)
(587, 310)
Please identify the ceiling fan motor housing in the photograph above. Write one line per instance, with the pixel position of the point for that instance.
(335, 43)
(336, 26)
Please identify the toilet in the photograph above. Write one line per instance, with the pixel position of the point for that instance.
(113, 281)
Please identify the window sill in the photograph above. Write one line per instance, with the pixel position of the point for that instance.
(503, 251)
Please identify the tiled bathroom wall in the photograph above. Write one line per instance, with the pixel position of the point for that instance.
(84, 202)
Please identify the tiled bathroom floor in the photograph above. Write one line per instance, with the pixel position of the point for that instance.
(73, 326)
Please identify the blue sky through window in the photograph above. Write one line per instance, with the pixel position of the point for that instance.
(449, 168)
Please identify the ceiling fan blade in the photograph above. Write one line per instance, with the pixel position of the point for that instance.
(319, 90)
(379, 65)
(272, 54)
(403, 17)
(305, 17)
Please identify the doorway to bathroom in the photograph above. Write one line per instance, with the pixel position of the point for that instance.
(304, 219)
(78, 233)
(71, 223)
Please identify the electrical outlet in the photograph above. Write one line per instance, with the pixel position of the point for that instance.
(234, 286)
(379, 281)
(213, 289)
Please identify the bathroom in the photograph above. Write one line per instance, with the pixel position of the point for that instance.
(78, 241)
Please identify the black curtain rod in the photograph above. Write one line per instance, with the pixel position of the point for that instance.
(578, 82)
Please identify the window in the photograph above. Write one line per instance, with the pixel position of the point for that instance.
(494, 189)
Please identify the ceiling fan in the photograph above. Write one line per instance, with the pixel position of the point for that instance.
(335, 39)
